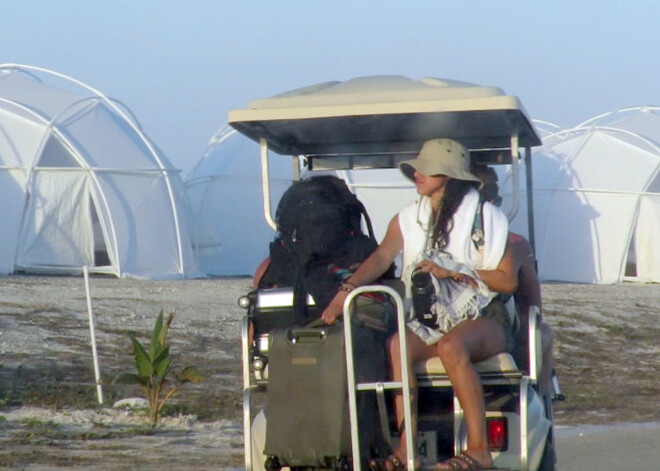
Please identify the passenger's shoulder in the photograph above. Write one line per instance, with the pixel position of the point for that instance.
(517, 239)
(519, 243)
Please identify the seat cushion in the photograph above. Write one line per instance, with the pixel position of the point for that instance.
(500, 363)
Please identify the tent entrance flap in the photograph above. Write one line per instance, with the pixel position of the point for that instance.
(57, 226)
(101, 257)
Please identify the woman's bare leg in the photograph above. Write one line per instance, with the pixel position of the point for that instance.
(417, 351)
(471, 341)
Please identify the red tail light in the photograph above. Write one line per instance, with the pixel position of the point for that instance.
(498, 433)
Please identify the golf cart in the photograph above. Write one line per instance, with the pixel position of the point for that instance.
(375, 123)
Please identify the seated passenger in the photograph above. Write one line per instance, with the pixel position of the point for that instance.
(435, 236)
(528, 292)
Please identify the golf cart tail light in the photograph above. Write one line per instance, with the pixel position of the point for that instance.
(497, 433)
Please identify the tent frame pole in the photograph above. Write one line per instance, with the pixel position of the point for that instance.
(97, 369)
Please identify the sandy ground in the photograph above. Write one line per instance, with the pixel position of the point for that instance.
(606, 351)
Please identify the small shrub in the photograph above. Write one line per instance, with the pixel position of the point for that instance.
(153, 368)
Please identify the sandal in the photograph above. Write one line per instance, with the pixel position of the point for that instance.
(391, 463)
(456, 464)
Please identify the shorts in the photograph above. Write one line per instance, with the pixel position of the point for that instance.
(496, 310)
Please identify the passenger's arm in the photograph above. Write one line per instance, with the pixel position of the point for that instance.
(369, 270)
(503, 279)
(260, 272)
(529, 288)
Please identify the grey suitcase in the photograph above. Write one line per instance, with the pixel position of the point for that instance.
(307, 398)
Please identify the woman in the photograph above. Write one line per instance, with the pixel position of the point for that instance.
(443, 222)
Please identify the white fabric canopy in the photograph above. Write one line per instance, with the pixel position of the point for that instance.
(83, 185)
(383, 192)
(225, 193)
(596, 198)
(596, 204)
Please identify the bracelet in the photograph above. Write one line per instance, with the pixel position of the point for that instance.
(348, 287)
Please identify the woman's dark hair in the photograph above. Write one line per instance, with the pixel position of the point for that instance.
(490, 190)
(443, 219)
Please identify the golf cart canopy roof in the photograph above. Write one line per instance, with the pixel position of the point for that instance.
(379, 116)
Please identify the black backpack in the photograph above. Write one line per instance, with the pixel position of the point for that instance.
(319, 240)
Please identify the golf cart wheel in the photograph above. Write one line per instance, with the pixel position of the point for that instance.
(549, 458)
(273, 463)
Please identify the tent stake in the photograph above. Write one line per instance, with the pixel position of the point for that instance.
(97, 370)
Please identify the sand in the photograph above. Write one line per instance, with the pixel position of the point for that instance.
(606, 353)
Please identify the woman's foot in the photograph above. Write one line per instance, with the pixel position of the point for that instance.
(464, 462)
(391, 463)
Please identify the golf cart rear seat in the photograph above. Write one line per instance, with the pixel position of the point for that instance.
(500, 367)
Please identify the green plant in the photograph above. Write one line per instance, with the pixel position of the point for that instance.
(153, 367)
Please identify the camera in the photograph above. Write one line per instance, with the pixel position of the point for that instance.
(423, 297)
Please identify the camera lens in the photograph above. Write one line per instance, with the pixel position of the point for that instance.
(423, 297)
(420, 279)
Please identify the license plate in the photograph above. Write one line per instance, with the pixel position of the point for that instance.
(427, 447)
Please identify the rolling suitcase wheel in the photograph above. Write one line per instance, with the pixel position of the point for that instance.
(273, 463)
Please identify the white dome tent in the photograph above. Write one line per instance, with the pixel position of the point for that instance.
(224, 190)
(383, 192)
(642, 120)
(546, 128)
(83, 185)
(597, 206)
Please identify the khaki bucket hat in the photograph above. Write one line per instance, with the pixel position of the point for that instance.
(440, 157)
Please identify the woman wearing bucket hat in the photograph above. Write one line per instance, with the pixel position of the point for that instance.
(470, 266)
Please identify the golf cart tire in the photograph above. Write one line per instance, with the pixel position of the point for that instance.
(549, 458)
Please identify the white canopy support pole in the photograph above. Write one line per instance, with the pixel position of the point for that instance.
(97, 370)
(515, 179)
(296, 168)
(530, 200)
(265, 183)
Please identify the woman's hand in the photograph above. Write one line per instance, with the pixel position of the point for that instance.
(439, 272)
(335, 309)
(374, 266)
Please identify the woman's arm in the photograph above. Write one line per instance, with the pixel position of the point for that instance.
(503, 279)
(369, 270)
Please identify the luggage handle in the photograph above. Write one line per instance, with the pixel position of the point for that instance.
(309, 332)
(316, 323)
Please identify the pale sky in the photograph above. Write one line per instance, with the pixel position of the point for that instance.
(181, 65)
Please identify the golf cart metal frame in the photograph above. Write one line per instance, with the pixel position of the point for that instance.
(376, 122)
